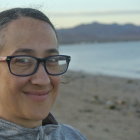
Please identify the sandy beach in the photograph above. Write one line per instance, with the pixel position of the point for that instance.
(101, 107)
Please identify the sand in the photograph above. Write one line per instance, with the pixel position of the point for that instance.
(101, 107)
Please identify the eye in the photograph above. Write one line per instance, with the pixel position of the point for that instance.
(22, 61)
(52, 61)
(56, 61)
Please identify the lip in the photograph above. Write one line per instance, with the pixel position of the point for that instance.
(37, 95)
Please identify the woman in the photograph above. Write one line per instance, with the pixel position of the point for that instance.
(30, 72)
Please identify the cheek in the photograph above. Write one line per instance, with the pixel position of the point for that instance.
(9, 91)
(16, 83)
(9, 81)
(56, 81)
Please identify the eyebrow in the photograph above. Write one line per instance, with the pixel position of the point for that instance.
(24, 50)
(52, 51)
(29, 51)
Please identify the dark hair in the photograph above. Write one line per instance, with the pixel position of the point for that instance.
(12, 14)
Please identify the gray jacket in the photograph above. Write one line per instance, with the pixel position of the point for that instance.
(50, 130)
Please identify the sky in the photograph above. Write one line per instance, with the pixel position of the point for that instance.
(69, 13)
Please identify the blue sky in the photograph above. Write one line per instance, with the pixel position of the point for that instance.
(68, 13)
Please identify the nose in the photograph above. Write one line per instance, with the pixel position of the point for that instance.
(41, 77)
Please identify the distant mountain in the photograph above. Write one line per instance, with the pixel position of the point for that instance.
(96, 32)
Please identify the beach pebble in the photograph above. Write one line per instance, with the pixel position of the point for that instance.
(121, 102)
(110, 105)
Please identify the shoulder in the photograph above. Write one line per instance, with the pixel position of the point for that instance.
(71, 132)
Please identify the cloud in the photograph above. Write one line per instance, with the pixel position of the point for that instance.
(102, 13)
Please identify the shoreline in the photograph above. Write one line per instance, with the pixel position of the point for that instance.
(99, 42)
(101, 107)
(104, 75)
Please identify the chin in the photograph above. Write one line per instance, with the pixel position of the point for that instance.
(36, 115)
(40, 116)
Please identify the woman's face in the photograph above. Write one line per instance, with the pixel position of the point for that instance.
(28, 100)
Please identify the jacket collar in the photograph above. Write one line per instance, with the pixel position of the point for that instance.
(49, 120)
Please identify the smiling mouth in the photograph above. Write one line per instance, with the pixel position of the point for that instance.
(37, 96)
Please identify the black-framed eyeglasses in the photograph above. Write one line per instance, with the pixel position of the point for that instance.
(24, 65)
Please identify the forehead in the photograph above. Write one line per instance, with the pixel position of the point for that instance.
(30, 33)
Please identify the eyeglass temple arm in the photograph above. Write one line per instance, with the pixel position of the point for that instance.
(3, 58)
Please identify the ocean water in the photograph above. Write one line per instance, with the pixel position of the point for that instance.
(118, 58)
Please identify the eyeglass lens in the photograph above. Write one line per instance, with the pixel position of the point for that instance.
(24, 65)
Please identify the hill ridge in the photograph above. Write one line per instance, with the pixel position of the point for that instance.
(98, 32)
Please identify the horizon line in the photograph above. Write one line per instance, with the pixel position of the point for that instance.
(96, 13)
(128, 23)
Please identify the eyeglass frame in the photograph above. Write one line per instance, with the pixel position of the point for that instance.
(38, 60)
